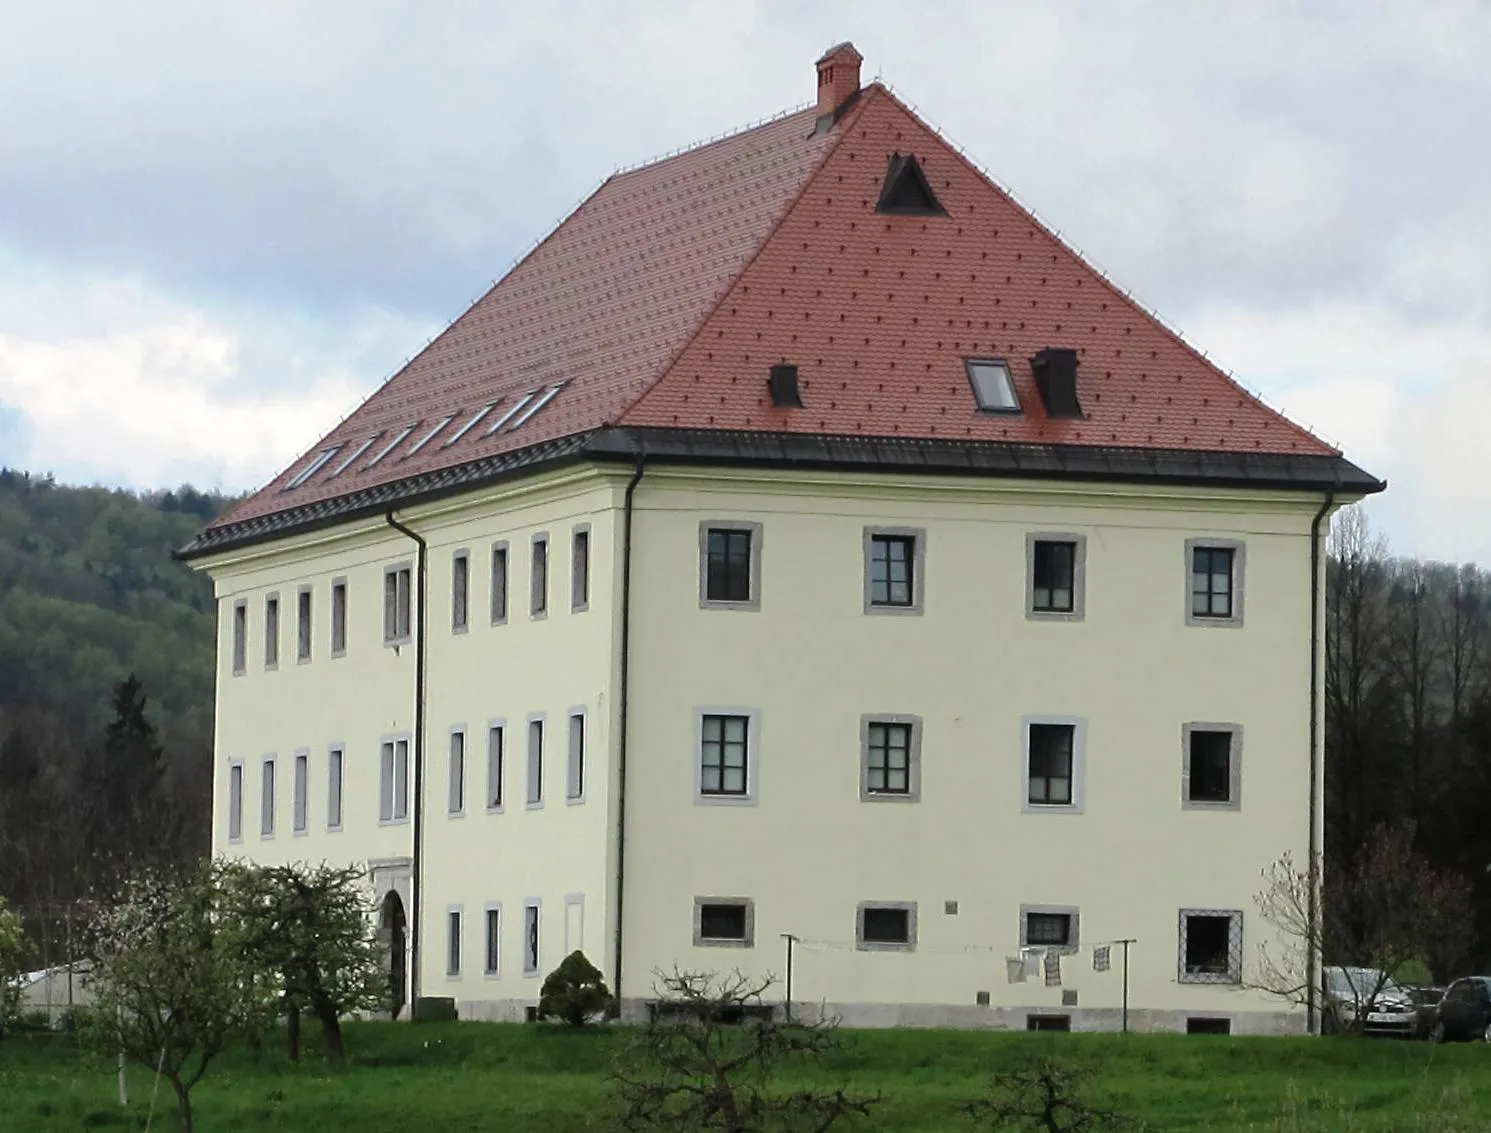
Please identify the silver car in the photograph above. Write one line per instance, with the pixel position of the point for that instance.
(1369, 1001)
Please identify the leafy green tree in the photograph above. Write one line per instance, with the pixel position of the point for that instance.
(314, 927)
(174, 975)
(574, 992)
(12, 967)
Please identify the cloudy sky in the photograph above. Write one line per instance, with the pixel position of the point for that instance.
(221, 226)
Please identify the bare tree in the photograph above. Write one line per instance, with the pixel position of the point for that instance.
(1045, 1094)
(707, 1057)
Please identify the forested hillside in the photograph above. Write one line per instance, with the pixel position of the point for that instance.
(89, 596)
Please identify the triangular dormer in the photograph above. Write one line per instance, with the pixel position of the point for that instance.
(906, 189)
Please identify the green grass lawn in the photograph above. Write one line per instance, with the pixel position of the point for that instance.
(472, 1076)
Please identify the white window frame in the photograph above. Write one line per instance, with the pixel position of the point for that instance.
(389, 786)
(579, 568)
(235, 801)
(272, 631)
(576, 752)
(460, 591)
(336, 786)
(338, 618)
(305, 624)
(533, 780)
(533, 957)
(496, 775)
(402, 608)
(268, 802)
(500, 595)
(300, 789)
(238, 637)
(538, 581)
(489, 953)
(456, 778)
(1079, 766)
(455, 931)
(753, 757)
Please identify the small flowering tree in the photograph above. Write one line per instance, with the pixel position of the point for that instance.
(173, 978)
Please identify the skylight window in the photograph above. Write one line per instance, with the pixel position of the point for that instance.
(430, 436)
(548, 396)
(314, 466)
(397, 440)
(504, 418)
(993, 386)
(470, 424)
(352, 456)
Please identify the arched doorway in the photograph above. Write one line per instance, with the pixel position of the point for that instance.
(393, 931)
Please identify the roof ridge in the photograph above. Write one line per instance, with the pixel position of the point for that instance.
(711, 140)
(864, 97)
(1121, 293)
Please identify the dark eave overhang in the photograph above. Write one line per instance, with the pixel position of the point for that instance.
(1267, 471)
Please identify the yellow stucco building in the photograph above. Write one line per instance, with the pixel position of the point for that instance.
(801, 551)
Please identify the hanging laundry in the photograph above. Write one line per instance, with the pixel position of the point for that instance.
(1101, 958)
(1015, 967)
(1053, 969)
(1032, 963)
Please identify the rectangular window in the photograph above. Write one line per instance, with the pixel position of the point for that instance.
(339, 617)
(272, 631)
(1048, 1023)
(1048, 927)
(539, 582)
(530, 938)
(266, 800)
(1210, 946)
(575, 782)
(300, 787)
(492, 953)
(1053, 583)
(1211, 582)
(1050, 771)
(1212, 775)
(456, 803)
(240, 637)
(724, 922)
(460, 592)
(499, 583)
(494, 767)
(235, 802)
(894, 558)
(535, 763)
(888, 758)
(1201, 1025)
(993, 387)
(303, 624)
(393, 781)
(579, 563)
(886, 925)
(453, 942)
(397, 612)
(334, 783)
(724, 755)
(729, 565)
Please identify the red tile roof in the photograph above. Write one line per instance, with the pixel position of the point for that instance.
(664, 299)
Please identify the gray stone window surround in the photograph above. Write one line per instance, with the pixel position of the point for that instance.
(392, 741)
(391, 638)
(747, 903)
(336, 786)
(455, 930)
(580, 569)
(573, 797)
(1074, 937)
(300, 792)
(754, 530)
(460, 604)
(533, 958)
(495, 776)
(1078, 612)
(338, 617)
(269, 803)
(499, 560)
(913, 792)
(1239, 586)
(864, 945)
(490, 970)
(238, 637)
(1234, 948)
(533, 760)
(1234, 769)
(235, 800)
(272, 631)
(753, 757)
(305, 624)
(918, 537)
(457, 793)
(1079, 766)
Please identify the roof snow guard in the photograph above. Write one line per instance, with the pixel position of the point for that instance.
(848, 237)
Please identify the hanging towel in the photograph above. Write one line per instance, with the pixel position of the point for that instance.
(1053, 969)
(1015, 967)
(1101, 958)
(1032, 963)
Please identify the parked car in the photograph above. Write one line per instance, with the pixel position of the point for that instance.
(1367, 1000)
(1427, 1000)
(1465, 1011)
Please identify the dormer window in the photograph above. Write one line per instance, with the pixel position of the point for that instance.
(907, 190)
(993, 385)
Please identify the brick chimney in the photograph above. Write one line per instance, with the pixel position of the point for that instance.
(838, 80)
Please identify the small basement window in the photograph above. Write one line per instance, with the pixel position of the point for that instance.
(1203, 1026)
(993, 385)
(1048, 1022)
(887, 925)
(1050, 929)
(722, 921)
